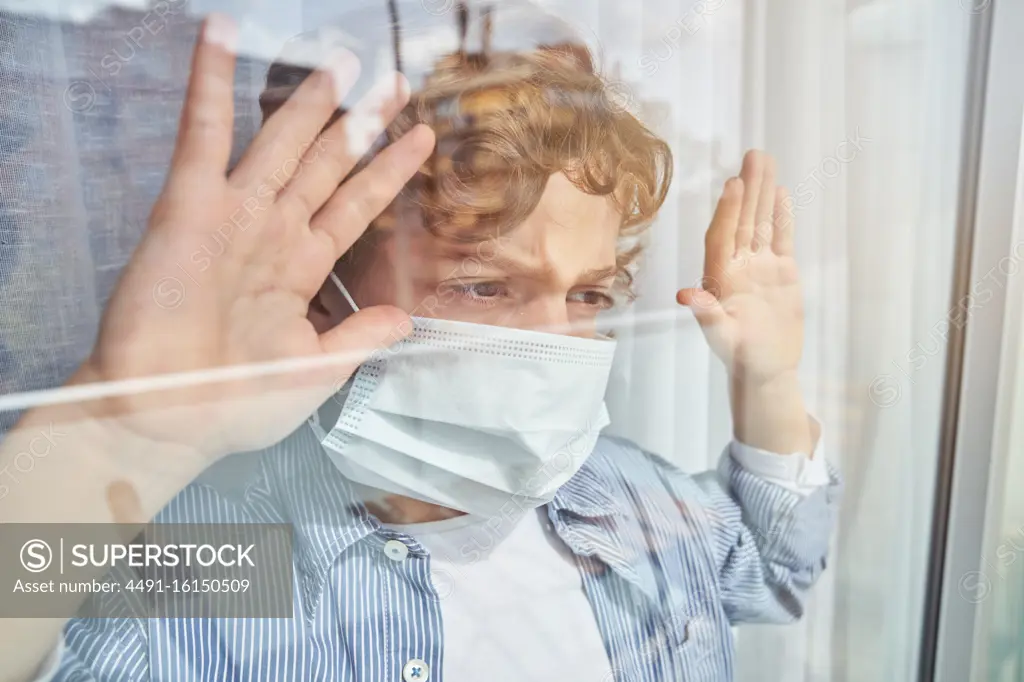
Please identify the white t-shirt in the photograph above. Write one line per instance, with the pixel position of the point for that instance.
(509, 596)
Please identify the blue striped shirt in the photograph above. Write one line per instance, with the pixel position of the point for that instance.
(668, 561)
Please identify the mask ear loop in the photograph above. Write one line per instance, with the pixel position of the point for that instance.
(344, 292)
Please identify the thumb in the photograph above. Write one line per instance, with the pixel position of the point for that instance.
(365, 332)
(703, 303)
(711, 316)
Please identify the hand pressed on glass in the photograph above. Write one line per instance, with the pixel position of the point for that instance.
(292, 222)
(750, 307)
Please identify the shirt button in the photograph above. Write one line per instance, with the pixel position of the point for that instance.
(415, 671)
(396, 551)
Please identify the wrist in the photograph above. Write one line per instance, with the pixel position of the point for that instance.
(137, 423)
(77, 461)
(769, 413)
(746, 382)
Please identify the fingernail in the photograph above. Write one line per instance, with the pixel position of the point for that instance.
(221, 30)
(386, 94)
(344, 69)
(361, 130)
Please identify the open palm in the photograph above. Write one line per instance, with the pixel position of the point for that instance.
(749, 304)
(282, 221)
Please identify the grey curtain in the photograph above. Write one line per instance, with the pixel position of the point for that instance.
(88, 113)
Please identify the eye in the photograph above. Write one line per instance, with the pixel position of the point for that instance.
(481, 292)
(593, 298)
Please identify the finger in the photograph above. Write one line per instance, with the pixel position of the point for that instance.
(765, 204)
(695, 296)
(711, 316)
(365, 332)
(785, 224)
(341, 146)
(752, 173)
(720, 239)
(273, 157)
(203, 147)
(347, 213)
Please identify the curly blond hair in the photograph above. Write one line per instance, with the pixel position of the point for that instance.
(505, 123)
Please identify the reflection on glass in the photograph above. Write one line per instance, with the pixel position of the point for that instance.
(850, 97)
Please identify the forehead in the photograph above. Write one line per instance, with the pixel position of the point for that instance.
(564, 202)
(567, 233)
(567, 223)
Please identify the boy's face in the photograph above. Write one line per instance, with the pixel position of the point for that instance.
(552, 273)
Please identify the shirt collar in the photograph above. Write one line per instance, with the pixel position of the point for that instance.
(587, 494)
(590, 516)
(321, 505)
(328, 517)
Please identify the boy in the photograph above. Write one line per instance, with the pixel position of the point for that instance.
(456, 513)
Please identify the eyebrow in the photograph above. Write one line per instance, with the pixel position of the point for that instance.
(519, 268)
(599, 274)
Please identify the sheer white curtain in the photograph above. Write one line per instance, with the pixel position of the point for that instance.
(860, 102)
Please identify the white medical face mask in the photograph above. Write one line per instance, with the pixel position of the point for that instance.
(468, 415)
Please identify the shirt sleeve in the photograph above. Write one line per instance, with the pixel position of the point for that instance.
(769, 543)
(98, 650)
(796, 472)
